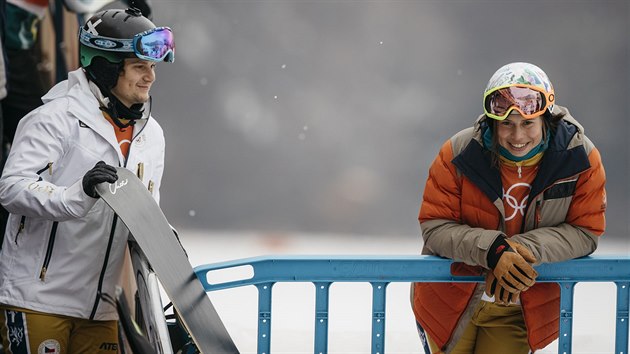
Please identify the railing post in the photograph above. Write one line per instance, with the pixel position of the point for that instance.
(378, 317)
(566, 317)
(321, 317)
(264, 317)
(621, 332)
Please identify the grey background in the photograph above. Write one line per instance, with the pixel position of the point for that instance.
(324, 116)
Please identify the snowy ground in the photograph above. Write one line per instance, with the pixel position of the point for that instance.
(350, 304)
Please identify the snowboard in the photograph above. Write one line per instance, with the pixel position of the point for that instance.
(130, 199)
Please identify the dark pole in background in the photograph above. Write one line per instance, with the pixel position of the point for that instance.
(61, 70)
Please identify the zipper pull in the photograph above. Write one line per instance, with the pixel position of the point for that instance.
(50, 168)
(519, 171)
(42, 274)
(140, 171)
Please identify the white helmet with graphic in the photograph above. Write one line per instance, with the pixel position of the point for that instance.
(523, 87)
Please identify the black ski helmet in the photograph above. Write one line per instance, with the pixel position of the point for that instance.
(105, 41)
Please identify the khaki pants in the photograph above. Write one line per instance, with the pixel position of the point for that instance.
(493, 329)
(25, 331)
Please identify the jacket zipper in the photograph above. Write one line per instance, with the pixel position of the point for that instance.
(20, 228)
(49, 249)
(111, 239)
(126, 158)
(537, 213)
(53, 231)
(101, 277)
(47, 167)
(23, 218)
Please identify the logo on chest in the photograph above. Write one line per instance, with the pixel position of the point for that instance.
(515, 200)
(141, 140)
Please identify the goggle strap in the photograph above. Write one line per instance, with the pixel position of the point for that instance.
(106, 43)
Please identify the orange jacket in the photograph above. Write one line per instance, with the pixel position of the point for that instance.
(462, 214)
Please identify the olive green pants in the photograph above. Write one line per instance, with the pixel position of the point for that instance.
(26, 331)
(493, 329)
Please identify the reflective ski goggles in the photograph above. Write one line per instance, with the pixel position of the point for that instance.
(157, 44)
(529, 101)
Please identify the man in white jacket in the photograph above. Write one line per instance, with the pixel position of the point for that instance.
(63, 247)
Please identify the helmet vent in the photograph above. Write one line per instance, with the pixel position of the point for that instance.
(133, 11)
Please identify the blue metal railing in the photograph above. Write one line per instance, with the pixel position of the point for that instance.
(379, 271)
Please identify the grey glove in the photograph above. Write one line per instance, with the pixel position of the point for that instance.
(101, 172)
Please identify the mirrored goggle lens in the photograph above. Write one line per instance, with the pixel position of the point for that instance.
(528, 101)
(156, 45)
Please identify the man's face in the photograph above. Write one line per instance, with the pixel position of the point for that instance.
(135, 81)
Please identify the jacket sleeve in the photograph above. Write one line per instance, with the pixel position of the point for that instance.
(585, 220)
(440, 216)
(24, 189)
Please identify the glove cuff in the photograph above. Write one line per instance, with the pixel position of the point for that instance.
(496, 250)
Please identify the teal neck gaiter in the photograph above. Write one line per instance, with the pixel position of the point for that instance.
(487, 142)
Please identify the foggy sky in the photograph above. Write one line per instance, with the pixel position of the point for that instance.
(324, 116)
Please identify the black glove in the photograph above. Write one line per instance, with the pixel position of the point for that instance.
(101, 172)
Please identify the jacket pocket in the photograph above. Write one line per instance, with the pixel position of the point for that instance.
(49, 250)
(563, 189)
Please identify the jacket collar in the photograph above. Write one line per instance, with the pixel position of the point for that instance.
(475, 163)
(84, 102)
(561, 161)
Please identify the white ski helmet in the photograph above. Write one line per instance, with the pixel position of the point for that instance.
(518, 86)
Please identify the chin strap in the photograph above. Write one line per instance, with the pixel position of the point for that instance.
(111, 105)
(113, 114)
(117, 110)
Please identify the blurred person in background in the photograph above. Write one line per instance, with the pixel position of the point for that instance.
(523, 186)
(64, 249)
(25, 78)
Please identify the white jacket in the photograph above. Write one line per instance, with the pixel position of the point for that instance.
(62, 247)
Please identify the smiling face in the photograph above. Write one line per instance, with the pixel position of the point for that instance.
(519, 135)
(134, 82)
